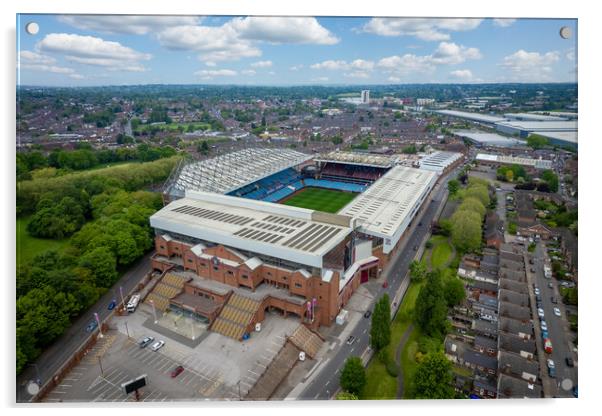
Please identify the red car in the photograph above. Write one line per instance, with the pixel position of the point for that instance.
(176, 371)
(547, 345)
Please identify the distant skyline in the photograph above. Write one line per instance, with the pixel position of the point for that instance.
(88, 50)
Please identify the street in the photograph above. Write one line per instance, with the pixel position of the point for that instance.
(63, 348)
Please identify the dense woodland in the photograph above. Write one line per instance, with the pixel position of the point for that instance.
(105, 215)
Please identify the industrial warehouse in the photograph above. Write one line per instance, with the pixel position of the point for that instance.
(230, 245)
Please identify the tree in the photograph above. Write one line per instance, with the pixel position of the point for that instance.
(466, 230)
(353, 376)
(536, 141)
(431, 306)
(380, 331)
(101, 262)
(343, 395)
(472, 204)
(417, 271)
(433, 378)
(551, 179)
(454, 291)
(509, 176)
(453, 186)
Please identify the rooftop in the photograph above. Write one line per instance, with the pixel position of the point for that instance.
(484, 118)
(537, 126)
(352, 158)
(391, 200)
(438, 161)
(296, 234)
(489, 139)
(226, 173)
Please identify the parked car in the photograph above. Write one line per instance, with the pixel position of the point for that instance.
(92, 325)
(553, 300)
(145, 341)
(544, 326)
(557, 312)
(539, 305)
(112, 305)
(415, 248)
(538, 298)
(158, 345)
(530, 261)
(537, 291)
(569, 362)
(350, 340)
(176, 371)
(540, 313)
(544, 335)
(532, 270)
(367, 314)
(550, 285)
(551, 368)
(547, 345)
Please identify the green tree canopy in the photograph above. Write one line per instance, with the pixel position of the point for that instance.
(454, 291)
(353, 376)
(380, 331)
(431, 306)
(433, 378)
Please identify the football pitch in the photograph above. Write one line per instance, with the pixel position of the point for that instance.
(320, 199)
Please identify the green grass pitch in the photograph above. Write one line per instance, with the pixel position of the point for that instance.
(319, 199)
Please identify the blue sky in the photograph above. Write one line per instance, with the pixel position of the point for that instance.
(72, 50)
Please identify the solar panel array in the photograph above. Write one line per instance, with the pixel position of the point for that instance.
(231, 171)
(213, 215)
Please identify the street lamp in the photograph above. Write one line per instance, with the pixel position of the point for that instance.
(154, 311)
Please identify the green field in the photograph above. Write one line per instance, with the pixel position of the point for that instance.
(28, 247)
(319, 199)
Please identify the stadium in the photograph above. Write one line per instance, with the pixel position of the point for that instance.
(264, 229)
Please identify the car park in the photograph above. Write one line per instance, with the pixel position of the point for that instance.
(91, 325)
(557, 312)
(350, 340)
(145, 341)
(157, 345)
(544, 326)
(367, 314)
(176, 371)
(569, 362)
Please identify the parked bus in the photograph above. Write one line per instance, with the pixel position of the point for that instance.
(133, 303)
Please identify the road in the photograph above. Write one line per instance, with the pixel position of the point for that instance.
(63, 348)
(326, 383)
(558, 326)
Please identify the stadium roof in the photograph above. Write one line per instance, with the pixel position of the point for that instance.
(386, 207)
(296, 234)
(489, 139)
(483, 118)
(226, 173)
(363, 159)
(438, 161)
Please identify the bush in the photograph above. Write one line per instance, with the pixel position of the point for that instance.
(428, 244)
(392, 368)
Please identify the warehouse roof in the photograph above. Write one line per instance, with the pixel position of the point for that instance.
(391, 201)
(536, 126)
(438, 161)
(296, 234)
(489, 139)
(226, 173)
(484, 118)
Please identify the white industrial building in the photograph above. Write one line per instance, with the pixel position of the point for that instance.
(514, 160)
(489, 139)
(476, 117)
(524, 128)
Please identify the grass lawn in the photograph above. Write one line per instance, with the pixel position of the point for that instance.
(442, 252)
(319, 199)
(379, 384)
(28, 247)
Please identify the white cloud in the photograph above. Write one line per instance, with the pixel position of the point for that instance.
(210, 63)
(462, 74)
(212, 73)
(320, 79)
(35, 58)
(424, 29)
(570, 54)
(94, 51)
(503, 22)
(447, 53)
(357, 74)
(450, 53)
(283, 30)
(331, 65)
(530, 66)
(271, 73)
(130, 25)
(393, 79)
(296, 67)
(261, 64)
(249, 72)
(215, 43)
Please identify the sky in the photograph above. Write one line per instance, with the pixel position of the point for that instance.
(89, 50)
